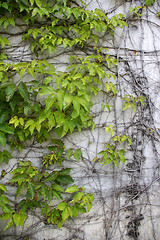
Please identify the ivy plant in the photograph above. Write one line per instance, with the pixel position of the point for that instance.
(48, 100)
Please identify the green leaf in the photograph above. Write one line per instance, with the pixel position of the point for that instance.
(65, 214)
(10, 90)
(77, 155)
(5, 216)
(6, 208)
(72, 189)
(7, 156)
(78, 196)
(149, 2)
(32, 2)
(51, 177)
(25, 163)
(61, 206)
(17, 219)
(18, 178)
(51, 121)
(65, 171)
(31, 71)
(82, 210)
(121, 155)
(39, 3)
(76, 104)
(4, 116)
(65, 179)
(5, 128)
(126, 105)
(46, 90)
(57, 194)
(12, 22)
(9, 224)
(5, 5)
(31, 191)
(60, 97)
(89, 206)
(20, 189)
(1, 157)
(57, 187)
(23, 91)
(69, 154)
(5, 24)
(35, 11)
(22, 72)
(2, 187)
(2, 139)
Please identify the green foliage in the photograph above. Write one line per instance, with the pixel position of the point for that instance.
(35, 187)
(130, 102)
(149, 2)
(113, 152)
(136, 10)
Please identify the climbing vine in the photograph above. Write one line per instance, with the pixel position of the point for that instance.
(37, 99)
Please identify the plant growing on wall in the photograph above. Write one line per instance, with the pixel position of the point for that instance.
(37, 99)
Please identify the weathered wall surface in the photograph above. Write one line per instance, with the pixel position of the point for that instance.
(126, 204)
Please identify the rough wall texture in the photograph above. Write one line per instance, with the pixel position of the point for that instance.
(126, 204)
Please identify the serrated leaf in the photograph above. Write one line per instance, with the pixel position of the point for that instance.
(57, 188)
(149, 2)
(122, 157)
(2, 139)
(2, 187)
(39, 3)
(107, 129)
(60, 97)
(5, 216)
(10, 90)
(1, 157)
(12, 22)
(32, 2)
(4, 116)
(31, 191)
(102, 106)
(78, 196)
(16, 219)
(65, 214)
(77, 154)
(46, 90)
(57, 194)
(9, 224)
(23, 91)
(51, 177)
(31, 71)
(18, 178)
(20, 189)
(5, 24)
(89, 206)
(69, 154)
(7, 154)
(65, 171)
(5, 5)
(72, 189)
(5, 128)
(126, 105)
(22, 72)
(61, 206)
(65, 179)
(6, 208)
